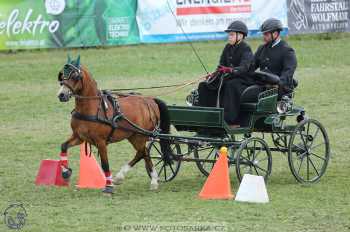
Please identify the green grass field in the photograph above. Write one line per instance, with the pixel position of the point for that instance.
(33, 124)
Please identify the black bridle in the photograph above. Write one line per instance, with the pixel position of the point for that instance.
(67, 74)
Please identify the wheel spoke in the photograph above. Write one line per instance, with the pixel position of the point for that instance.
(254, 149)
(161, 169)
(307, 168)
(172, 170)
(301, 148)
(256, 171)
(211, 152)
(249, 161)
(285, 140)
(263, 159)
(311, 153)
(302, 154)
(159, 152)
(312, 164)
(158, 163)
(315, 135)
(303, 139)
(316, 146)
(256, 155)
(301, 162)
(257, 166)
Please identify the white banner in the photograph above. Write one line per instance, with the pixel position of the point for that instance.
(159, 20)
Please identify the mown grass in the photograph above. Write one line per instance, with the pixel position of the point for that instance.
(33, 124)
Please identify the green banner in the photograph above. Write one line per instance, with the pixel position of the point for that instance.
(28, 24)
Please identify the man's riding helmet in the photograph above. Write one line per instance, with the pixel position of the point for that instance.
(271, 25)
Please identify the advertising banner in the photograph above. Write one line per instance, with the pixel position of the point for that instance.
(26, 24)
(318, 16)
(179, 20)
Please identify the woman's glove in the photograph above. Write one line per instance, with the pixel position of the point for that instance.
(224, 69)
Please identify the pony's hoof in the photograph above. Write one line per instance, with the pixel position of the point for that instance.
(118, 180)
(154, 186)
(66, 173)
(108, 191)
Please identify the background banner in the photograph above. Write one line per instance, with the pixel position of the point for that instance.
(317, 16)
(202, 19)
(28, 24)
(60, 23)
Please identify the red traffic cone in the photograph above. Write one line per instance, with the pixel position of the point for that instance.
(90, 173)
(50, 174)
(218, 185)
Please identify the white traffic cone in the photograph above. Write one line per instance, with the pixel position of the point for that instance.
(252, 189)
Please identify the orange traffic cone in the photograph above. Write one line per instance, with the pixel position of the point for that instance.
(90, 173)
(218, 185)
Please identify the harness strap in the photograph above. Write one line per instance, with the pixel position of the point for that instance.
(114, 126)
(117, 116)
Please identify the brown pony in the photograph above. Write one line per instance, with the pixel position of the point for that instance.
(100, 118)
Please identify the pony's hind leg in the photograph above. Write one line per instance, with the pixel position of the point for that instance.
(152, 170)
(139, 143)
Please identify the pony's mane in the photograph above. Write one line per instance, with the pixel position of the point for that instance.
(88, 75)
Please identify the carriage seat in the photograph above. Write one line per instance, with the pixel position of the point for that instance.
(249, 98)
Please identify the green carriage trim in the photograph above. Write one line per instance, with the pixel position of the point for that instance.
(194, 118)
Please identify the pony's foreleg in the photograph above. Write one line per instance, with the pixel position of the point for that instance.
(72, 141)
(102, 149)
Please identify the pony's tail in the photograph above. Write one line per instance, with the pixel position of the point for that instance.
(165, 129)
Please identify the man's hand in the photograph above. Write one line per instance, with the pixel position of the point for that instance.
(224, 69)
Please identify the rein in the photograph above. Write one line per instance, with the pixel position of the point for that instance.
(179, 86)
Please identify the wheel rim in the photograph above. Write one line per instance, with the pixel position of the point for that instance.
(208, 152)
(166, 172)
(308, 152)
(253, 157)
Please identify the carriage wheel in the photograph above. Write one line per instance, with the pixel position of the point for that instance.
(253, 157)
(308, 151)
(205, 152)
(211, 153)
(166, 171)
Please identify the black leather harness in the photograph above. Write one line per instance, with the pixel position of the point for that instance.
(116, 117)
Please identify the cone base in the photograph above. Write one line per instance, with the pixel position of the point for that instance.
(216, 197)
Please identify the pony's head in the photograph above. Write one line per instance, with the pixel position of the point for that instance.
(70, 79)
